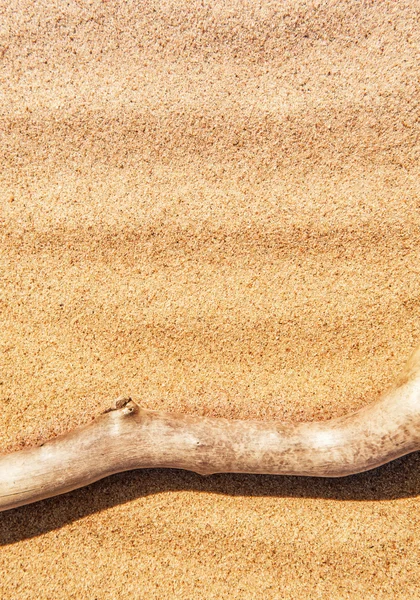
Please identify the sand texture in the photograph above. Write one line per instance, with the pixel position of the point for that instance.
(213, 207)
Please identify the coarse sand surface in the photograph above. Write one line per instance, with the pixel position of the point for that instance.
(213, 207)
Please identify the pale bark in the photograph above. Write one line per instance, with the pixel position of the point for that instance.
(129, 437)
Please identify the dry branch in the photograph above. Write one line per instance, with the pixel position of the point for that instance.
(128, 437)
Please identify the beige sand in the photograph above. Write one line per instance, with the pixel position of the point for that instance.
(214, 207)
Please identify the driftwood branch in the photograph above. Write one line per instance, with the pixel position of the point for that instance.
(128, 437)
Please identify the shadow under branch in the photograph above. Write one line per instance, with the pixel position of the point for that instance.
(398, 479)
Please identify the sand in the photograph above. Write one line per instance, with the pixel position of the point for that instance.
(214, 208)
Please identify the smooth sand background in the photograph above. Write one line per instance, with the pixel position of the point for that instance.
(215, 208)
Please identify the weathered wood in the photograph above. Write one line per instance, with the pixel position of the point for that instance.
(128, 437)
